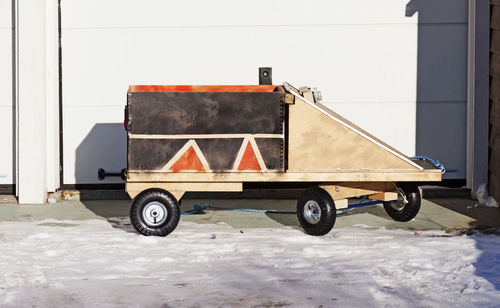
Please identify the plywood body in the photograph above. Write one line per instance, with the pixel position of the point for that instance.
(327, 177)
(216, 141)
(317, 142)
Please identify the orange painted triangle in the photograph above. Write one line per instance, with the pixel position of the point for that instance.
(188, 161)
(249, 160)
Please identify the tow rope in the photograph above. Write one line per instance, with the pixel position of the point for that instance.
(199, 209)
(436, 162)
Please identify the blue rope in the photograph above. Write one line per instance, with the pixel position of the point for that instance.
(198, 209)
(340, 213)
(434, 162)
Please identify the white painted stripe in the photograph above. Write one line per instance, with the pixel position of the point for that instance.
(205, 136)
(290, 89)
(178, 155)
(249, 141)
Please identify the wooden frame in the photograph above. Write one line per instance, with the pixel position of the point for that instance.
(322, 147)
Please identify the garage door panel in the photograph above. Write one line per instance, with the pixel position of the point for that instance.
(372, 60)
(438, 11)
(160, 13)
(100, 64)
(441, 132)
(6, 103)
(94, 138)
(6, 164)
(5, 14)
(6, 65)
(398, 131)
(442, 62)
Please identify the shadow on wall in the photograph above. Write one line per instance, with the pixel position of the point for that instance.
(442, 82)
(105, 147)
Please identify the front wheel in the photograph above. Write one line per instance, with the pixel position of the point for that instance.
(406, 207)
(155, 212)
(316, 211)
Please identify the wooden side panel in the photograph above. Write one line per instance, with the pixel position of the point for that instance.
(324, 177)
(494, 163)
(183, 113)
(316, 142)
(205, 131)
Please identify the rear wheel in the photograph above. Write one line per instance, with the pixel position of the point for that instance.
(316, 211)
(406, 207)
(155, 212)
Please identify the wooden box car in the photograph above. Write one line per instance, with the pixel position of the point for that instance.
(216, 138)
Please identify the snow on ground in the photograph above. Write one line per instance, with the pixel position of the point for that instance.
(90, 263)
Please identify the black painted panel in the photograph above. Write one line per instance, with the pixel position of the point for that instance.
(152, 154)
(220, 153)
(205, 112)
(271, 151)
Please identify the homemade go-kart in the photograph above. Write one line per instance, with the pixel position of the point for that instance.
(217, 138)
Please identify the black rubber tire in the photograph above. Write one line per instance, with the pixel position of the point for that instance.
(410, 209)
(328, 211)
(163, 197)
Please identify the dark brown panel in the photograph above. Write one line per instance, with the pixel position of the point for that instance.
(495, 64)
(220, 153)
(205, 112)
(494, 142)
(152, 154)
(495, 41)
(495, 89)
(494, 187)
(272, 152)
(495, 17)
(495, 117)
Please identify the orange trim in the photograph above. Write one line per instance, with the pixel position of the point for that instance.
(249, 160)
(188, 161)
(187, 88)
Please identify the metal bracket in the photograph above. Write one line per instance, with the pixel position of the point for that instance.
(102, 174)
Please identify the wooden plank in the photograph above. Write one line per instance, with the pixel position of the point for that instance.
(178, 189)
(384, 196)
(494, 142)
(494, 186)
(332, 176)
(495, 89)
(495, 41)
(495, 139)
(204, 136)
(316, 142)
(350, 190)
(495, 64)
(495, 16)
(495, 113)
(495, 161)
(341, 204)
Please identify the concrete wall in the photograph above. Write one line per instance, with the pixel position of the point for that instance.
(396, 68)
(6, 94)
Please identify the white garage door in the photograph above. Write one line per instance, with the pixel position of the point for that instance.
(6, 103)
(365, 56)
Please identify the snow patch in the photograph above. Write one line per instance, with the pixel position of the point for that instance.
(93, 264)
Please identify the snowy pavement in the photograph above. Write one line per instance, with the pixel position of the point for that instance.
(90, 263)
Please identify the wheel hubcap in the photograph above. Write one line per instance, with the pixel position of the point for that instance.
(154, 214)
(401, 202)
(312, 212)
